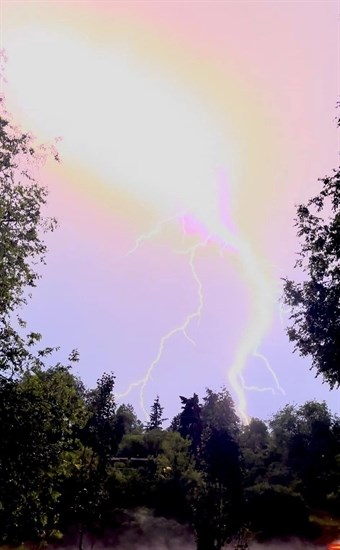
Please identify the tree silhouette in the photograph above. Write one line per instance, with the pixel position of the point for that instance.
(156, 416)
(315, 302)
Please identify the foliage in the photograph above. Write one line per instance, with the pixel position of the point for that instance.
(126, 421)
(212, 429)
(156, 415)
(190, 422)
(22, 247)
(276, 511)
(254, 448)
(315, 327)
(306, 445)
(67, 465)
(38, 415)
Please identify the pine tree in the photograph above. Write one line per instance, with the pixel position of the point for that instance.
(156, 414)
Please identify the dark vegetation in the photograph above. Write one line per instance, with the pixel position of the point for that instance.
(73, 462)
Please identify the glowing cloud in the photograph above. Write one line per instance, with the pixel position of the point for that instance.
(134, 126)
(149, 112)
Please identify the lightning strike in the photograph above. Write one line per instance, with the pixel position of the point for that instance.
(129, 389)
(153, 233)
(262, 291)
(262, 305)
(183, 327)
(263, 300)
(284, 312)
(278, 387)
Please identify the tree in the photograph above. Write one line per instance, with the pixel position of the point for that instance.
(156, 416)
(304, 450)
(99, 433)
(175, 423)
(315, 302)
(39, 417)
(22, 248)
(36, 415)
(254, 444)
(126, 422)
(220, 443)
(88, 493)
(190, 422)
(218, 513)
(218, 411)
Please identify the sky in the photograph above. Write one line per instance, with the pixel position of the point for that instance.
(189, 131)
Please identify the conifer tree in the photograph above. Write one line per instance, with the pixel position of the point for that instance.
(156, 416)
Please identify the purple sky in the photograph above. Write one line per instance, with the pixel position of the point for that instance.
(190, 130)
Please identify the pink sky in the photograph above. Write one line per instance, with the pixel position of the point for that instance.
(154, 100)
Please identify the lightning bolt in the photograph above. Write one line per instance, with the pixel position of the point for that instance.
(283, 310)
(263, 300)
(191, 252)
(129, 389)
(154, 232)
(271, 372)
(181, 328)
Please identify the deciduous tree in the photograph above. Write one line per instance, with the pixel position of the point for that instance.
(22, 248)
(315, 301)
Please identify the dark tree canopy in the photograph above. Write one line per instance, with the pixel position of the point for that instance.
(190, 422)
(315, 302)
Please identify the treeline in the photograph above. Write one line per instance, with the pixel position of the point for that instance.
(73, 462)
